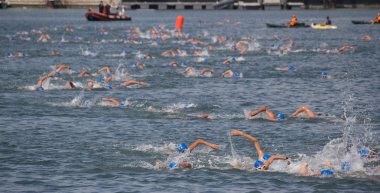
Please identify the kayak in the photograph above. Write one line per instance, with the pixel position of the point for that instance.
(362, 22)
(298, 25)
(323, 26)
(96, 16)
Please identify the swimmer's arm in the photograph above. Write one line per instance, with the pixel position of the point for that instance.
(84, 73)
(115, 102)
(201, 141)
(104, 69)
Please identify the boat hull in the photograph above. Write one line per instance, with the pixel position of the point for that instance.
(95, 16)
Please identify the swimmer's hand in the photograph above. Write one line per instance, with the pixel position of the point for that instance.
(236, 132)
(214, 146)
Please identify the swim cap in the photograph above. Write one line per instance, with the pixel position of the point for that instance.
(172, 165)
(266, 156)
(134, 66)
(57, 73)
(291, 67)
(101, 79)
(236, 75)
(39, 88)
(327, 172)
(258, 163)
(108, 75)
(205, 60)
(324, 73)
(122, 105)
(346, 166)
(280, 116)
(363, 152)
(182, 147)
(108, 87)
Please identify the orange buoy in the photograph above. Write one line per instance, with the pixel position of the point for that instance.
(179, 22)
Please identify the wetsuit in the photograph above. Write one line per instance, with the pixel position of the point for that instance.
(101, 8)
(108, 9)
(328, 22)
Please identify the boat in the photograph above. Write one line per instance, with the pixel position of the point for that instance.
(96, 16)
(298, 25)
(363, 22)
(323, 26)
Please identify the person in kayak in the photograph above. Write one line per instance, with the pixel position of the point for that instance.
(328, 21)
(101, 7)
(293, 22)
(377, 19)
(264, 160)
(273, 117)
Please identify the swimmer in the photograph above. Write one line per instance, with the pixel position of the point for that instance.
(230, 74)
(168, 53)
(271, 116)
(189, 71)
(90, 84)
(367, 154)
(242, 46)
(58, 70)
(264, 160)
(40, 82)
(173, 163)
(70, 85)
(108, 76)
(205, 71)
(174, 64)
(84, 73)
(344, 48)
(366, 38)
(325, 74)
(325, 170)
(43, 38)
(139, 65)
(290, 67)
(229, 60)
(54, 53)
(205, 116)
(132, 82)
(114, 101)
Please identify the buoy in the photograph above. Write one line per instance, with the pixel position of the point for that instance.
(179, 22)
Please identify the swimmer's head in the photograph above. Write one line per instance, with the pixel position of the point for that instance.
(90, 84)
(101, 78)
(327, 172)
(266, 156)
(108, 87)
(291, 67)
(258, 164)
(280, 116)
(39, 89)
(172, 165)
(182, 147)
(363, 152)
(236, 75)
(346, 166)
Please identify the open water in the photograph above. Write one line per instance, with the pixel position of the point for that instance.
(62, 140)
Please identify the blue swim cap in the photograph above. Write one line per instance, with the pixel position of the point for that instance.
(134, 66)
(291, 67)
(108, 87)
(206, 60)
(266, 156)
(324, 73)
(346, 166)
(101, 79)
(57, 73)
(182, 147)
(280, 116)
(122, 105)
(258, 163)
(236, 74)
(327, 172)
(108, 75)
(39, 88)
(172, 165)
(363, 152)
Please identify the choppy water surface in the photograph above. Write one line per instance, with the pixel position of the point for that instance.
(70, 141)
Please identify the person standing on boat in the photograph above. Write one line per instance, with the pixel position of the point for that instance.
(328, 21)
(377, 19)
(101, 7)
(108, 9)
